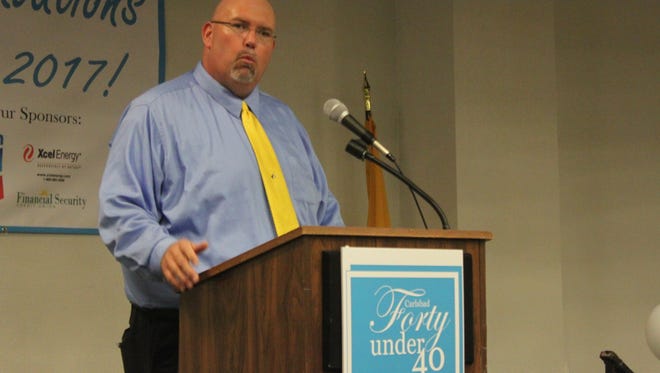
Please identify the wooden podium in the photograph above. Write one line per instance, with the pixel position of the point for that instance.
(262, 311)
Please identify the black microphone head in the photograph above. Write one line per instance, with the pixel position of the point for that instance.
(334, 109)
(357, 148)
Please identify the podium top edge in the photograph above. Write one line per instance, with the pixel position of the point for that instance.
(349, 232)
(391, 232)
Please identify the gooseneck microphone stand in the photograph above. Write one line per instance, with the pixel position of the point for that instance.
(358, 149)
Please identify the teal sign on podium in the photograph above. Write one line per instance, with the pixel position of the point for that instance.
(402, 310)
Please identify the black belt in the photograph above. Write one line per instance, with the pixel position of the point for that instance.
(165, 314)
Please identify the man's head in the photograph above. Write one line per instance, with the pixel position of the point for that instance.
(238, 43)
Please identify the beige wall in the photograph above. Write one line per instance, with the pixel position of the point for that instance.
(535, 120)
(507, 155)
(609, 153)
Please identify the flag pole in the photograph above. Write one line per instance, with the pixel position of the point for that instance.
(378, 212)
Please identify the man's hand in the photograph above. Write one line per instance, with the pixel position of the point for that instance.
(177, 264)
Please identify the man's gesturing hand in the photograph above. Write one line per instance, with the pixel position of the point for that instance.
(177, 263)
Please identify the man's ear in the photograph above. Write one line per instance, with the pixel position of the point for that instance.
(207, 34)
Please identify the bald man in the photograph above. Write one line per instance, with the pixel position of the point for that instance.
(182, 191)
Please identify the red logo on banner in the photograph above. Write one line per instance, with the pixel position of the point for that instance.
(28, 153)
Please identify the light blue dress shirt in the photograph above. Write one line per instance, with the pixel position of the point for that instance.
(181, 166)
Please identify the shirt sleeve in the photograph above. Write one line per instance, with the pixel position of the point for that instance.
(129, 212)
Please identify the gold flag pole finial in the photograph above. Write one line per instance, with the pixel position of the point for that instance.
(367, 94)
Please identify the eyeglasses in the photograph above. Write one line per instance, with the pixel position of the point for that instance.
(264, 35)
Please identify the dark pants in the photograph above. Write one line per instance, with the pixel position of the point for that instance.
(151, 342)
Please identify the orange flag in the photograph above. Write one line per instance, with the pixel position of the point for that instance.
(378, 213)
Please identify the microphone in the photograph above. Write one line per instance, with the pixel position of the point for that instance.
(358, 149)
(338, 112)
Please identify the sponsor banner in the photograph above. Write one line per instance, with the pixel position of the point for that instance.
(402, 310)
(67, 70)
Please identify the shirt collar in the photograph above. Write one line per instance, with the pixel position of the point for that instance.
(222, 95)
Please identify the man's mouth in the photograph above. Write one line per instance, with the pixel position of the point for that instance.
(246, 58)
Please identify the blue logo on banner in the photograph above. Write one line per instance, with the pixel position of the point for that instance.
(407, 324)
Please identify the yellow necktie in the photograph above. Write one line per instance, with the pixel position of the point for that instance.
(281, 207)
